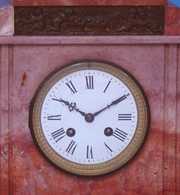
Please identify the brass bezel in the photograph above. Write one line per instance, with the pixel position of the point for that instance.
(128, 152)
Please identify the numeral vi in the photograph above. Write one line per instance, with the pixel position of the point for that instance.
(89, 152)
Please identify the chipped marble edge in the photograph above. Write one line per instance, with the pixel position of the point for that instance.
(7, 27)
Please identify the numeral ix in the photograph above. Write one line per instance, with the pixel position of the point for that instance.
(54, 117)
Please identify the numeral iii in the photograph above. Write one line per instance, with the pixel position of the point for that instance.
(124, 117)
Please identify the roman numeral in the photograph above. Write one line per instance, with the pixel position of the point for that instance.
(119, 134)
(107, 147)
(54, 117)
(124, 117)
(71, 86)
(89, 152)
(105, 89)
(90, 82)
(58, 134)
(71, 147)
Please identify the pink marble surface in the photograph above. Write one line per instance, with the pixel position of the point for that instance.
(6, 20)
(156, 66)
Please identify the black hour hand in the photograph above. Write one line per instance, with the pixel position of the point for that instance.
(71, 106)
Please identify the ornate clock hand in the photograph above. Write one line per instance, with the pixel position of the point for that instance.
(81, 112)
(71, 106)
(113, 103)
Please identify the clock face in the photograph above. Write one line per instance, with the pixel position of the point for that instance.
(90, 118)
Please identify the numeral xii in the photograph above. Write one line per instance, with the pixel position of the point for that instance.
(89, 82)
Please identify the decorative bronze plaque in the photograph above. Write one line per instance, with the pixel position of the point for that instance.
(89, 20)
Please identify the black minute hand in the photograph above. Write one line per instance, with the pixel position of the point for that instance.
(119, 100)
(112, 103)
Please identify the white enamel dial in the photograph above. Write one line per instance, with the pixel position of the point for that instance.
(89, 118)
(69, 132)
